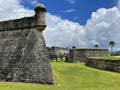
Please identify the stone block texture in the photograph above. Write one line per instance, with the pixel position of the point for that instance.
(23, 53)
(81, 55)
(110, 65)
(57, 52)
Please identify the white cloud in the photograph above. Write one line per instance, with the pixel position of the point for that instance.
(11, 9)
(118, 4)
(71, 1)
(69, 10)
(32, 2)
(63, 32)
(103, 26)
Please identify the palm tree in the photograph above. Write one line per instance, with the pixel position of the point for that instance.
(96, 45)
(111, 43)
(73, 47)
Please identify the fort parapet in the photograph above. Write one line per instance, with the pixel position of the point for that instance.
(81, 55)
(23, 53)
(104, 64)
(57, 52)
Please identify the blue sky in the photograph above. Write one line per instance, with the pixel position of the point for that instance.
(80, 23)
(74, 10)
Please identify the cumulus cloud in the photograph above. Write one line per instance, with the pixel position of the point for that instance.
(104, 26)
(11, 9)
(71, 1)
(63, 32)
(118, 4)
(32, 2)
(69, 10)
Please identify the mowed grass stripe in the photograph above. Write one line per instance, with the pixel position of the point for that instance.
(72, 76)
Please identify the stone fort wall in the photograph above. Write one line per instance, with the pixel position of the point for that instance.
(23, 53)
(81, 55)
(57, 52)
(111, 65)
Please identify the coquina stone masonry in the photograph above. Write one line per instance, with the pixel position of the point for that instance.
(105, 64)
(23, 53)
(81, 55)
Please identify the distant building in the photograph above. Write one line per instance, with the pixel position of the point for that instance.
(57, 52)
(81, 55)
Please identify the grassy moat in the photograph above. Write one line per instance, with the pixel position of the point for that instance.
(72, 76)
(108, 57)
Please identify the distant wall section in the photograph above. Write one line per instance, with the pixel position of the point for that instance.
(81, 55)
(57, 52)
(110, 65)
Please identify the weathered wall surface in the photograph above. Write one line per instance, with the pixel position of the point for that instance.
(23, 53)
(57, 52)
(80, 55)
(111, 65)
(23, 23)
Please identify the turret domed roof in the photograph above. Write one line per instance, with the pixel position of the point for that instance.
(40, 6)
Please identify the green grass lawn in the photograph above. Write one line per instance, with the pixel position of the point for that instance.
(108, 57)
(72, 76)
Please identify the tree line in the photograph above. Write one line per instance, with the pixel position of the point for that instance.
(111, 43)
